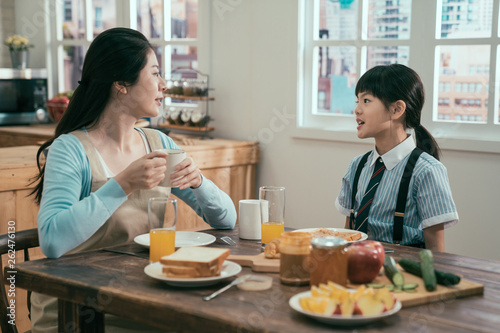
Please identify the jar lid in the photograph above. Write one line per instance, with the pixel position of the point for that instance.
(328, 242)
(256, 283)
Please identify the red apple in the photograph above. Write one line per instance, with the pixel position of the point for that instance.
(64, 100)
(56, 107)
(364, 260)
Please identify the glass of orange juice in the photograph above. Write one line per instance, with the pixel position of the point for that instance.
(272, 209)
(162, 215)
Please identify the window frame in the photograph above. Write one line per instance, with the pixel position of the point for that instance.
(450, 135)
(125, 17)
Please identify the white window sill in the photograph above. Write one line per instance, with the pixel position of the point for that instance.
(449, 143)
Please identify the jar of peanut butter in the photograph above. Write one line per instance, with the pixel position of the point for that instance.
(328, 261)
(295, 248)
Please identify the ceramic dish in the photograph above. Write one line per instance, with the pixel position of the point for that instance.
(229, 269)
(182, 238)
(363, 235)
(340, 320)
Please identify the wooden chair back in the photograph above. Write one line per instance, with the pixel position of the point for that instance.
(10, 244)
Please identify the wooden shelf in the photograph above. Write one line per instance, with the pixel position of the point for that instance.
(187, 128)
(194, 98)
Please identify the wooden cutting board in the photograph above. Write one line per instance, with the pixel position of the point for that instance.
(258, 263)
(463, 289)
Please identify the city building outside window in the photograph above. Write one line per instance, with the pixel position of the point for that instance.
(170, 25)
(455, 51)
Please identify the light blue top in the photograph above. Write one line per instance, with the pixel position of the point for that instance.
(67, 200)
(429, 201)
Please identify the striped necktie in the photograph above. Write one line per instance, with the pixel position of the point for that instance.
(361, 221)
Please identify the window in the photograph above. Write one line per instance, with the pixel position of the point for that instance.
(67, 11)
(170, 25)
(453, 58)
(98, 18)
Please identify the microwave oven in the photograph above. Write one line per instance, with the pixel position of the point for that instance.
(23, 96)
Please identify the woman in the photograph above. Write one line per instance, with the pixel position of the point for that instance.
(390, 101)
(101, 170)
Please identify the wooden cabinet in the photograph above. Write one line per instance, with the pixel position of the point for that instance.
(230, 164)
(16, 168)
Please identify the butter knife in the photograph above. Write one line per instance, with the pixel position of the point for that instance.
(223, 289)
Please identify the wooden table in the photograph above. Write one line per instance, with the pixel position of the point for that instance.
(116, 283)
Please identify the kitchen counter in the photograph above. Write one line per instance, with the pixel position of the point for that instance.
(11, 136)
(230, 164)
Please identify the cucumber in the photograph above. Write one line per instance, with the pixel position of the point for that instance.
(410, 286)
(375, 285)
(393, 273)
(427, 269)
(442, 278)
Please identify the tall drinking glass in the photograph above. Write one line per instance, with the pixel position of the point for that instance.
(272, 209)
(162, 214)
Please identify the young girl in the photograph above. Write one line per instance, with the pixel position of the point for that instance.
(401, 190)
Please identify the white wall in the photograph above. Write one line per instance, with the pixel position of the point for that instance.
(254, 71)
(30, 22)
(7, 29)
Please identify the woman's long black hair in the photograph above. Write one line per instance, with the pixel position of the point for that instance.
(115, 55)
(397, 82)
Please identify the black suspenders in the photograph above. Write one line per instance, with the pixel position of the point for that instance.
(402, 194)
(355, 187)
(399, 215)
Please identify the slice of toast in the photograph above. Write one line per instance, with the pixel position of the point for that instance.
(182, 272)
(194, 262)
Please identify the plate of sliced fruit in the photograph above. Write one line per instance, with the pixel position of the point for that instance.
(349, 235)
(333, 304)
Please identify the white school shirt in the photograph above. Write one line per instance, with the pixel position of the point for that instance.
(429, 201)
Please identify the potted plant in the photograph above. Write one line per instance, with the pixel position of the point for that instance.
(19, 47)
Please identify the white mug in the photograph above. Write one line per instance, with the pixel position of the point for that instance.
(174, 157)
(249, 219)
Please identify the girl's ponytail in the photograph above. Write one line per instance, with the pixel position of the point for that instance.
(426, 141)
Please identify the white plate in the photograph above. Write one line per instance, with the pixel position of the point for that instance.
(182, 238)
(339, 319)
(363, 235)
(229, 269)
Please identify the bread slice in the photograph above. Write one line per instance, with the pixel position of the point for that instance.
(180, 272)
(194, 262)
